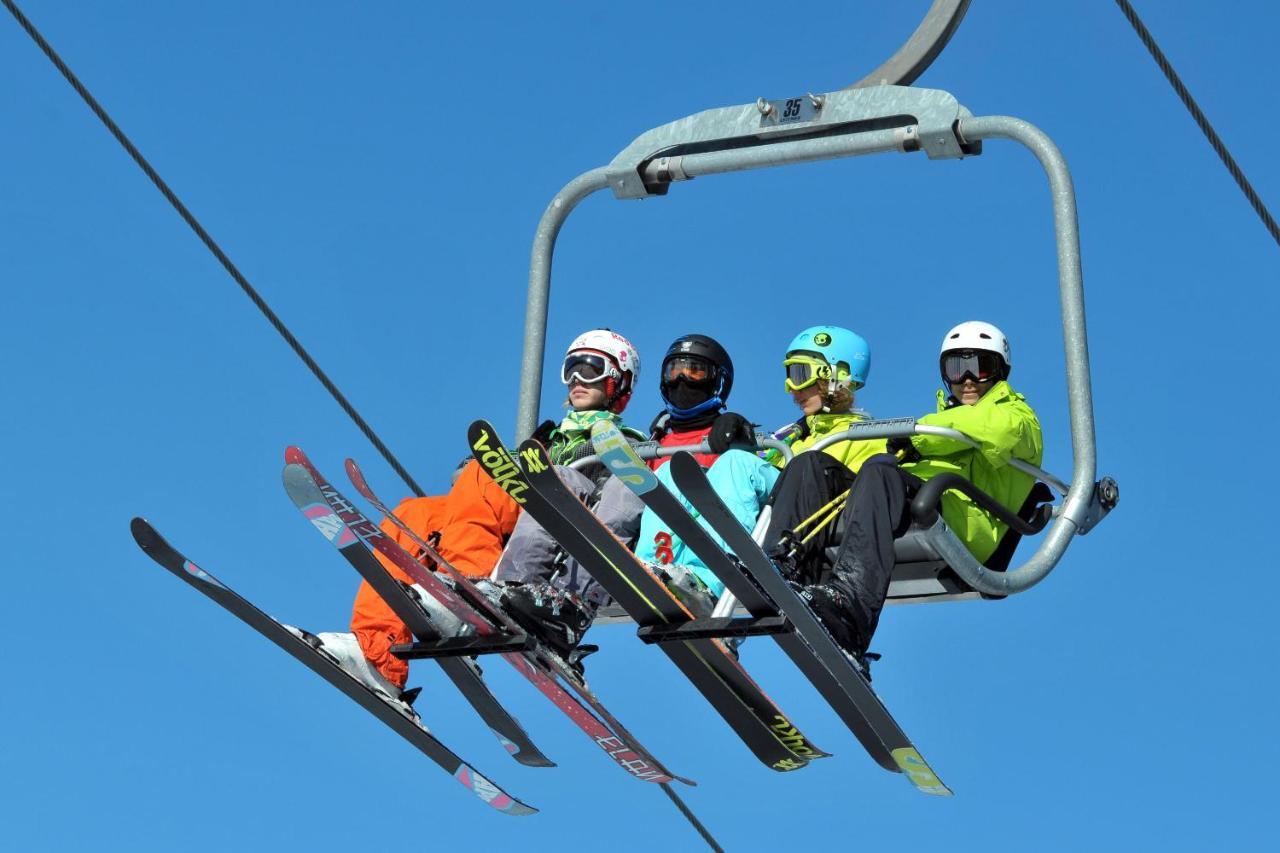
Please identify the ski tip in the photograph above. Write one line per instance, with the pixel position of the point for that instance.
(919, 773)
(354, 472)
(490, 793)
(294, 455)
(143, 533)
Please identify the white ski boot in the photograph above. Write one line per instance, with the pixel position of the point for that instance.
(444, 621)
(344, 650)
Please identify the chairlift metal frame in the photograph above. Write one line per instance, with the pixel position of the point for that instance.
(860, 120)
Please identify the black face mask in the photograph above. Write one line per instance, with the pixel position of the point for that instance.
(682, 395)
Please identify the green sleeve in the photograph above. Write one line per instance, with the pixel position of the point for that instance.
(1004, 429)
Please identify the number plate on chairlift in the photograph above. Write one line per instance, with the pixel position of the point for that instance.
(790, 111)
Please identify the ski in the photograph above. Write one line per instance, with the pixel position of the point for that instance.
(709, 666)
(693, 482)
(540, 665)
(345, 528)
(155, 546)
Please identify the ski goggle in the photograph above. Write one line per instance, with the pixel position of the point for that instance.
(980, 365)
(691, 368)
(803, 371)
(586, 367)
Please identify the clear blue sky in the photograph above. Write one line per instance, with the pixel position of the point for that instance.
(377, 170)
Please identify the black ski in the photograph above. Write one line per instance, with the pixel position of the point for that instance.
(154, 545)
(540, 665)
(343, 526)
(706, 663)
(693, 482)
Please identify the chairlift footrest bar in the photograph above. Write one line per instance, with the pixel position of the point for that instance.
(454, 647)
(715, 627)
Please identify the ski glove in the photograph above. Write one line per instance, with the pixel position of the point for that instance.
(543, 433)
(730, 428)
(902, 444)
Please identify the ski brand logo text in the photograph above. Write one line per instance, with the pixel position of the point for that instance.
(500, 467)
(791, 737)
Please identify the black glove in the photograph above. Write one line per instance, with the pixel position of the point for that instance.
(730, 428)
(543, 433)
(902, 444)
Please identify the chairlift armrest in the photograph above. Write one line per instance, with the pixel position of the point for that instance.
(924, 507)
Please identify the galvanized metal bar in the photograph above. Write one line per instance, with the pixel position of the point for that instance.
(539, 295)
(781, 153)
(653, 450)
(1075, 508)
(896, 427)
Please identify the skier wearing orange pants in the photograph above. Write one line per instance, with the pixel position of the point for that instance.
(474, 521)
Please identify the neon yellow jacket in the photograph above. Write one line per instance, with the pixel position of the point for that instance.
(1005, 427)
(851, 454)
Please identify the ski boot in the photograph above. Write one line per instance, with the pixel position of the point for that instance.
(686, 586)
(832, 605)
(441, 617)
(344, 650)
(555, 616)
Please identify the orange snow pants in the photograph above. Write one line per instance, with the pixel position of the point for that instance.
(474, 520)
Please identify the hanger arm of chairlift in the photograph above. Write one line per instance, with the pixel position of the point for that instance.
(919, 51)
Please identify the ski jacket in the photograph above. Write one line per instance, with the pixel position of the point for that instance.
(680, 439)
(1005, 427)
(851, 454)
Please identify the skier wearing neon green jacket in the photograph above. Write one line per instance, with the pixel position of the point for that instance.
(975, 364)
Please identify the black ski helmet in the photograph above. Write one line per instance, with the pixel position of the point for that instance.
(721, 381)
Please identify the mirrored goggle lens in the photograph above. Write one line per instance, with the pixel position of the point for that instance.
(584, 367)
(689, 367)
(982, 366)
(800, 374)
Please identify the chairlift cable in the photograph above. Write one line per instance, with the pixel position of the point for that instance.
(271, 316)
(212, 246)
(1196, 113)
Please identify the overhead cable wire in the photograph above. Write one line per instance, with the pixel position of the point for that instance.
(213, 247)
(692, 818)
(1196, 113)
(257, 300)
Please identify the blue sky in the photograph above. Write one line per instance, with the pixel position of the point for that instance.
(377, 170)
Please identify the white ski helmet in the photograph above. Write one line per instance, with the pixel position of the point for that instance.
(620, 368)
(977, 335)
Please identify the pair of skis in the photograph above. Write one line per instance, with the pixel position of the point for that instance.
(706, 661)
(358, 539)
(752, 578)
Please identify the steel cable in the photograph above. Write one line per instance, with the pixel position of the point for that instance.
(213, 247)
(1196, 113)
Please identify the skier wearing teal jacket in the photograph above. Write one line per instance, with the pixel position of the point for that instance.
(697, 376)
(975, 364)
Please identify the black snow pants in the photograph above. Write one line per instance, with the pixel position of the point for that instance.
(878, 512)
(808, 482)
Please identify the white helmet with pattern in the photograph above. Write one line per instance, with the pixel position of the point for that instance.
(603, 355)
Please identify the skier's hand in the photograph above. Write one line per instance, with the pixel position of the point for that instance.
(543, 433)
(730, 428)
(902, 445)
